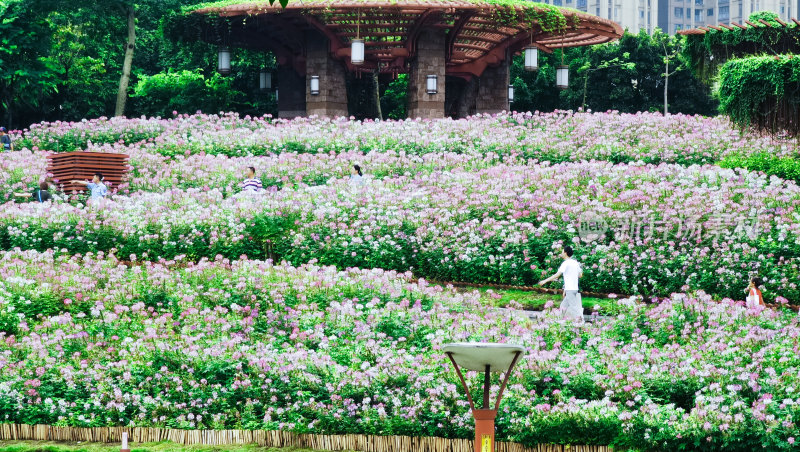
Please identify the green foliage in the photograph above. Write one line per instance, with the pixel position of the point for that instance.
(627, 76)
(184, 92)
(784, 167)
(25, 36)
(706, 52)
(394, 100)
(762, 93)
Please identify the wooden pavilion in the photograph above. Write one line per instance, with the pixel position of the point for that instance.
(441, 44)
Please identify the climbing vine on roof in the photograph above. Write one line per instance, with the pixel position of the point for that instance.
(706, 52)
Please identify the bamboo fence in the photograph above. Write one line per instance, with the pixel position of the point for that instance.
(267, 438)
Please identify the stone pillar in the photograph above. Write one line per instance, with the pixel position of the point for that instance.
(430, 60)
(332, 98)
(493, 89)
(291, 93)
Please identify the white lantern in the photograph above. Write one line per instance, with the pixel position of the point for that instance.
(224, 60)
(511, 93)
(314, 85)
(276, 95)
(531, 58)
(357, 51)
(562, 77)
(265, 80)
(430, 85)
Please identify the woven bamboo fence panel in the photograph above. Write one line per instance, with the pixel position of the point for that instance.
(266, 438)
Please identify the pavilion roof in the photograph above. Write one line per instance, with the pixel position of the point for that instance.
(479, 32)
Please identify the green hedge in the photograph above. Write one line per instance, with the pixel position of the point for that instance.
(762, 93)
(784, 167)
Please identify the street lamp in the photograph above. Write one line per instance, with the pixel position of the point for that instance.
(487, 358)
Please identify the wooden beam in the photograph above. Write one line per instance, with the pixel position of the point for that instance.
(471, 46)
(452, 35)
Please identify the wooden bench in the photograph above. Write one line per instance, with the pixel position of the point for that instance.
(68, 166)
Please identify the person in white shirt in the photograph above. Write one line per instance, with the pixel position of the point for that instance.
(97, 187)
(357, 177)
(252, 183)
(571, 270)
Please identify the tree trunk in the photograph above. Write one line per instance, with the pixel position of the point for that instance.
(378, 112)
(122, 94)
(666, 88)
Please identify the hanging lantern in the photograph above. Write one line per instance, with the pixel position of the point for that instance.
(314, 85)
(431, 84)
(562, 77)
(224, 60)
(511, 93)
(357, 51)
(265, 80)
(531, 58)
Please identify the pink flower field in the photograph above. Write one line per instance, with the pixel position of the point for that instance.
(186, 303)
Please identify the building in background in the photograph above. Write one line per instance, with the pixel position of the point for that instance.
(683, 14)
(633, 15)
(673, 15)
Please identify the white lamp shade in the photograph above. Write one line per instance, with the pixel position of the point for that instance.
(357, 51)
(431, 84)
(265, 80)
(224, 60)
(511, 93)
(313, 85)
(531, 58)
(562, 77)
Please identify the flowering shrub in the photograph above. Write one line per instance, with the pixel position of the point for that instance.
(498, 225)
(86, 341)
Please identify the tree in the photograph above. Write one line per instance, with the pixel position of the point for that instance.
(24, 40)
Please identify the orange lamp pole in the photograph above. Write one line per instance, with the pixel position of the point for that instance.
(484, 416)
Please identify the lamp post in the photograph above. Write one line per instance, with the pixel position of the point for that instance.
(125, 447)
(486, 358)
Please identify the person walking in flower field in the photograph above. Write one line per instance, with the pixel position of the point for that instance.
(754, 297)
(571, 270)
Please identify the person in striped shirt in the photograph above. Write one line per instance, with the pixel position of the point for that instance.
(252, 183)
